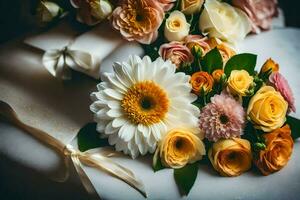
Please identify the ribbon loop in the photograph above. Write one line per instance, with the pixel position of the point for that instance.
(59, 62)
(98, 158)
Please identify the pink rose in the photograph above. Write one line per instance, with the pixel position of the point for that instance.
(197, 42)
(260, 12)
(281, 85)
(138, 20)
(176, 52)
(166, 4)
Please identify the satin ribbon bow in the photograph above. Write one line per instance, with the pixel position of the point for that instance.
(98, 158)
(60, 62)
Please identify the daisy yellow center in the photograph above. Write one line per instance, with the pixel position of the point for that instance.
(145, 103)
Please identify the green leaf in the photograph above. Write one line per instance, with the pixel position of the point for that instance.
(244, 61)
(295, 126)
(156, 163)
(185, 177)
(88, 138)
(212, 61)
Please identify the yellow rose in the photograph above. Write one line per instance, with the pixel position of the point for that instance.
(279, 148)
(223, 21)
(180, 147)
(176, 27)
(267, 109)
(231, 157)
(269, 65)
(239, 82)
(190, 7)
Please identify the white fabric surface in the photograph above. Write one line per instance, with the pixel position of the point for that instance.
(282, 45)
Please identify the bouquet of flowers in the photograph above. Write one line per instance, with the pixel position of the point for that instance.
(192, 99)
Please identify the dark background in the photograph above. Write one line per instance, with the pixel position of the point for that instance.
(16, 18)
(16, 15)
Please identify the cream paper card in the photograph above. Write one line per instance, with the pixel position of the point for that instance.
(44, 102)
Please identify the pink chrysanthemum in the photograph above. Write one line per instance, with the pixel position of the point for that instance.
(278, 81)
(224, 117)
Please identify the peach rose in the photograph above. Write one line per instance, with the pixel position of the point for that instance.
(279, 148)
(138, 20)
(231, 157)
(180, 147)
(269, 65)
(267, 109)
(197, 42)
(202, 81)
(166, 4)
(225, 51)
(176, 52)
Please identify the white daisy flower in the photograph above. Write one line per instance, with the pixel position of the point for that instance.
(136, 106)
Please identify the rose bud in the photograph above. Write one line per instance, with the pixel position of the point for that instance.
(202, 81)
(190, 7)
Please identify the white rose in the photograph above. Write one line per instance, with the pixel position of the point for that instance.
(223, 21)
(190, 7)
(93, 11)
(176, 28)
(47, 11)
(103, 10)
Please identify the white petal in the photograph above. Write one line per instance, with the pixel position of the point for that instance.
(109, 129)
(144, 130)
(113, 94)
(113, 104)
(118, 122)
(134, 151)
(101, 127)
(113, 139)
(155, 132)
(115, 83)
(126, 132)
(121, 76)
(115, 113)
(140, 141)
(102, 114)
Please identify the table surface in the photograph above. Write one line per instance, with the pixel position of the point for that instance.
(18, 149)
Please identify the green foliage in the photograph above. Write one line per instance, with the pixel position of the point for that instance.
(212, 61)
(244, 61)
(156, 163)
(185, 177)
(294, 125)
(88, 138)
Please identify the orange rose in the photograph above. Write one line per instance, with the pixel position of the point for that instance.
(202, 81)
(269, 65)
(217, 74)
(279, 147)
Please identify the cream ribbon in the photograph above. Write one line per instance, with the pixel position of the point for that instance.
(59, 62)
(97, 158)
